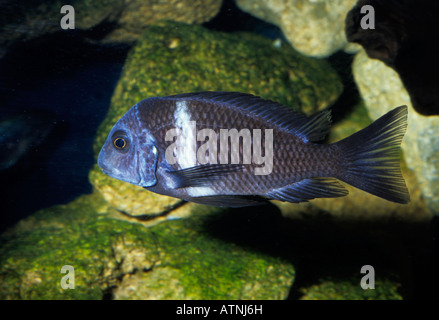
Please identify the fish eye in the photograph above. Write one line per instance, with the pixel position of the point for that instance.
(120, 142)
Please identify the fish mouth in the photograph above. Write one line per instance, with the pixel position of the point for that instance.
(101, 164)
(104, 169)
(114, 173)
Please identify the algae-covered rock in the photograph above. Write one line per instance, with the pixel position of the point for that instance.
(28, 19)
(136, 15)
(173, 58)
(382, 90)
(350, 289)
(315, 28)
(178, 259)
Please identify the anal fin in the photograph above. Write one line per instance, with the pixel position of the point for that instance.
(308, 189)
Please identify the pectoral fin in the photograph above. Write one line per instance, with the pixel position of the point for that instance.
(203, 175)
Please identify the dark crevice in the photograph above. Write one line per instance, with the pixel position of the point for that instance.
(350, 96)
(232, 19)
(403, 37)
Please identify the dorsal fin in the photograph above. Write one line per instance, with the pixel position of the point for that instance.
(312, 128)
(316, 127)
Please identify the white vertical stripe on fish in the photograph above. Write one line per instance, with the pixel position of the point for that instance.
(186, 153)
(186, 141)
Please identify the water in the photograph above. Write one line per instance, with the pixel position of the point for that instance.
(78, 90)
(75, 79)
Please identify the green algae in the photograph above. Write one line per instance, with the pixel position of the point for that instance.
(176, 259)
(350, 289)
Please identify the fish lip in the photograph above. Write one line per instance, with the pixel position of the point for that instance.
(110, 173)
(104, 168)
(106, 171)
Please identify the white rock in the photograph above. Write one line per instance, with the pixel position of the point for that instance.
(315, 28)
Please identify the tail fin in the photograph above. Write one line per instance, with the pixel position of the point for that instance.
(371, 157)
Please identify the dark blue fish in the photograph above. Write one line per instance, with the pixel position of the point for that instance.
(234, 149)
(22, 133)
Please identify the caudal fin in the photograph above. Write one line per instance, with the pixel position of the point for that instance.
(371, 157)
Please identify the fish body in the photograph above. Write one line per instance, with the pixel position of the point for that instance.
(22, 133)
(234, 149)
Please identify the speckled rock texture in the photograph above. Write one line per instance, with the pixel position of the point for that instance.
(314, 28)
(114, 259)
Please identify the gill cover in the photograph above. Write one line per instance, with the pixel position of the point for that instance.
(147, 157)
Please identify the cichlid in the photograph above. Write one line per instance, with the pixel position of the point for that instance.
(21, 133)
(234, 149)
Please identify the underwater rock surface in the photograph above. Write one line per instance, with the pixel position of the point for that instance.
(382, 90)
(114, 20)
(173, 58)
(136, 15)
(335, 289)
(231, 255)
(114, 259)
(315, 28)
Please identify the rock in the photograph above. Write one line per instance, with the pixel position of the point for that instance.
(382, 90)
(118, 20)
(314, 28)
(173, 58)
(336, 289)
(178, 259)
(130, 200)
(402, 40)
(138, 14)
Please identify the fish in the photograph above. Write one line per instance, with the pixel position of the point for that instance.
(234, 149)
(23, 132)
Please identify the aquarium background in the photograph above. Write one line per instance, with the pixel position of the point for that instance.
(68, 87)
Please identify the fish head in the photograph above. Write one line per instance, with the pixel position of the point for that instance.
(130, 153)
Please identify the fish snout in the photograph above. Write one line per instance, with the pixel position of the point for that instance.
(102, 163)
